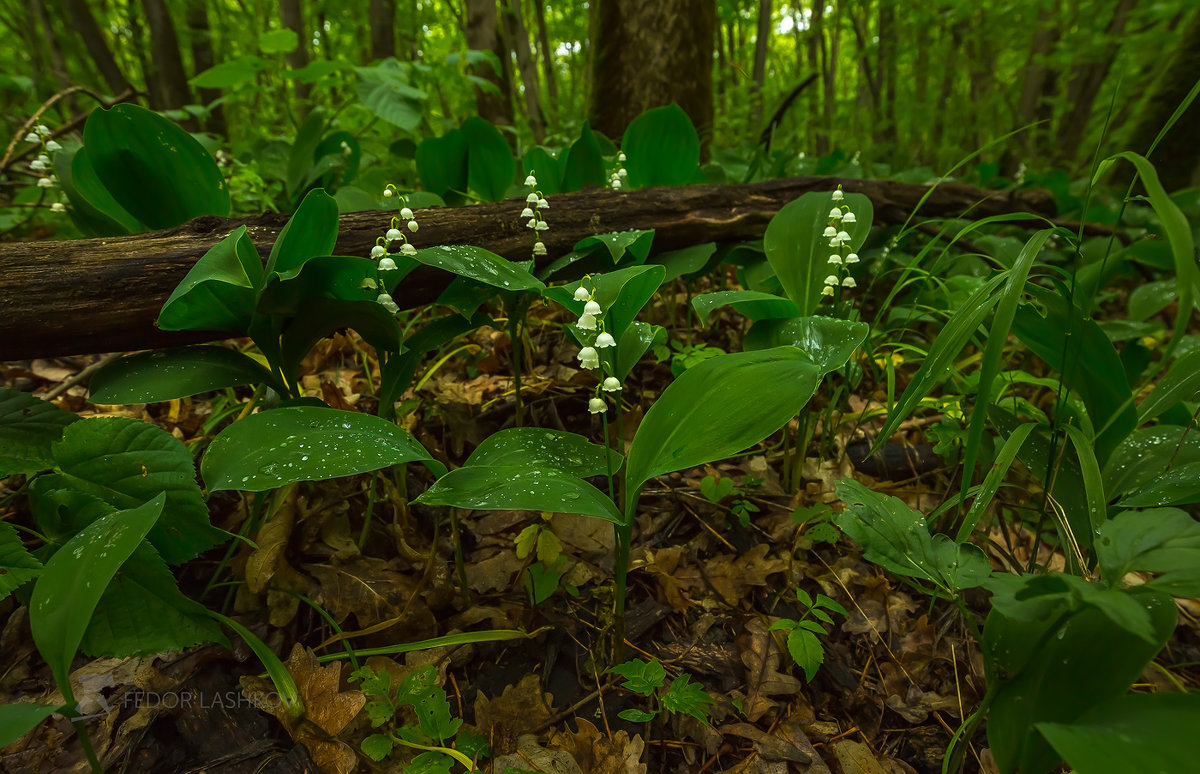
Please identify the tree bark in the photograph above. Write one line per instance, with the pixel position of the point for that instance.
(200, 38)
(129, 278)
(518, 35)
(168, 78)
(382, 18)
(483, 34)
(292, 17)
(650, 54)
(547, 52)
(1045, 37)
(761, 40)
(96, 44)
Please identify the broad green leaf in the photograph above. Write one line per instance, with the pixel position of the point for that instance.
(279, 41)
(303, 443)
(689, 260)
(661, 148)
(218, 293)
(621, 293)
(442, 163)
(806, 651)
(60, 512)
(158, 172)
(490, 166)
(634, 715)
(231, 73)
(150, 377)
(385, 89)
(584, 163)
(346, 153)
(1159, 540)
(318, 69)
(93, 209)
(310, 233)
(75, 578)
(641, 677)
(717, 409)
(480, 265)
(1180, 383)
(17, 565)
(142, 612)
(1137, 732)
(302, 156)
(538, 447)
(542, 165)
(634, 243)
(1146, 454)
(751, 303)
(126, 463)
(827, 341)
(377, 746)
(1149, 299)
(520, 488)
(334, 277)
(1056, 662)
(28, 428)
(799, 253)
(1178, 486)
(324, 317)
(17, 720)
(895, 537)
(1091, 368)
(634, 343)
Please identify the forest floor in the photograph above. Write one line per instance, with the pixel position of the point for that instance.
(899, 675)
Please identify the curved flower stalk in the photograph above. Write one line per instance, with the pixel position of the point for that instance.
(394, 242)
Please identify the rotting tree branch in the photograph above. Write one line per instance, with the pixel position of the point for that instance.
(103, 295)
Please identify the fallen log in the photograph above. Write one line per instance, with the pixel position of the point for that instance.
(103, 295)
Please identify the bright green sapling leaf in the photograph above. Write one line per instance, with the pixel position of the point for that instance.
(303, 443)
(149, 377)
(29, 427)
(662, 148)
(126, 463)
(517, 487)
(231, 73)
(537, 447)
(687, 697)
(641, 677)
(689, 260)
(385, 90)
(480, 265)
(895, 537)
(634, 343)
(828, 341)
(75, 578)
(377, 746)
(218, 293)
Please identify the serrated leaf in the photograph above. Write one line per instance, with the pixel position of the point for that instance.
(303, 443)
(643, 677)
(806, 651)
(687, 697)
(634, 715)
(17, 565)
(29, 427)
(377, 746)
(1160, 540)
(126, 463)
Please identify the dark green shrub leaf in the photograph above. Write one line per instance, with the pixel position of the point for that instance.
(218, 293)
(537, 447)
(1160, 540)
(17, 565)
(29, 426)
(1138, 732)
(491, 169)
(584, 163)
(149, 377)
(480, 265)
(662, 148)
(231, 73)
(442, 163)
(751, 303)
(311, 232)
(516, 487)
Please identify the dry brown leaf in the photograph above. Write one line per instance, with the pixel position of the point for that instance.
(531, 755)
(770, 746)
(598, 754)
(732, 576)
(857, 758)
(762, 658)
(272, 541)
(520, 709)
(368, 587)
(495, 573)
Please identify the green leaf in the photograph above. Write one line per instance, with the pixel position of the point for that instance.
(218, 293)
(545, 168)
(584, 162)
(634, 715)
(641, 677)
(333, 277)
(159, 173)
(1138, 732)
(377, 746)
(827, 341)
(637, 339)
(751, 303)
(127, 463)
(430, 762)
(895, 537)
(717, 409)
(1178, 486)
(285, 686)
(29, 427)
(231, 73)
(491, 168)
(324, 317)
(310, 233)
(318, 69)
(93, 208)
(17, 565)
(689, 260)
(1146, 454)
(385, 90)
(150, 377)
(635, 243)
(1181, 383)
(16, 720)
(143, 612)
(1149, 299)
(75, 578)
(301, 158)
(687, 697)
(806, 651)
(442, 163)
(1055, 662)
(661, 148)
(303, 443)
(517, 487)
(278, 41)
(1159, 540)
(799, 253)
(344, 152)
(480, 265)
(537, 447)
(622, 294)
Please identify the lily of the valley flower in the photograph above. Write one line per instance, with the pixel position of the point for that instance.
(849, 218)
(838, 195)
(597, 406)
(605, 340)
(406, 213)
(378, 252)
(531, 181)
(611, 384)
(587, 322)
(830, 232)
(393, 234)
(387, 264)
(852, 258)
(384, 300)
(848, 282)
(582, 294)
(526, 213)
(831, 280)
(593, 308)
(407, 249)
(539, 248)
(589, 357)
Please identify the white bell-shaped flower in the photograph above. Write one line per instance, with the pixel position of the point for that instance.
(378, 252)
(53, 146)
(835, 260)
(384, 300)
(849, 218)
(597, 406)
(605, 340)
(829, 233)
(58, 207)
(838, 195)
(45, 182)
(827, 290)
(531, 223)
(526, 213)
(587, 322)
(407, 249)
(831, 280)
(589, 357)
(591, 307)
(843, 236)
(851, 258)
(532, 198)
(611, 384)
(542, 226)
(392, 234)
(543, 204)
(32, 137)
(531, 181)
(582, 294)
(849, 282)
(616, 185)
(413, 226)
(406, 214)
(835, 214)
(539, 248)
(621, 157)
(387, 264)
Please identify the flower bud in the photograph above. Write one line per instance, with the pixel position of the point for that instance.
(53, 146)
(406, 213)
(412, 226)
(378, 252)
(621, 157)
(388, 193)
(384, 300)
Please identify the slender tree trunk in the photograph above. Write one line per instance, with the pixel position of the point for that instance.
(84, 23)
(483, 34)
(652, 54)
(518, 35)
(816, 62)
(887, 131)
(548, 69)
(382, 15)
(293, 18)
(167, 70)
(58, 63)
(761, 40)
(200, 37)
(1045, 37)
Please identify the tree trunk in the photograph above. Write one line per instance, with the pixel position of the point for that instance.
(293, 19)
(129, 278)
(650, 54)
(547, 52)
(1045, 37)
(1177, 156)
(382, 20)
(518, 35)
(166, 73)
(58, 63)
(885, 72)
(816, 60)
(761, 40)
(200, 37)
(483, 34)
(83, 22)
